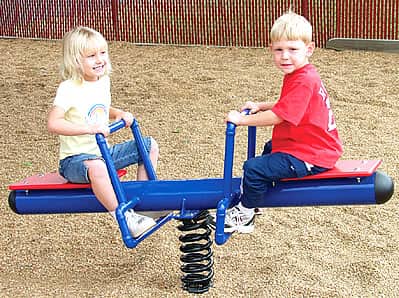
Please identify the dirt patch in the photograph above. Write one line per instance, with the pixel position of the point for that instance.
(180, 96)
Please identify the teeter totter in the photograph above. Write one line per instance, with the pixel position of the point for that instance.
(351, 182)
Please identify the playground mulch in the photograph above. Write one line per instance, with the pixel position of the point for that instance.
(180, 96)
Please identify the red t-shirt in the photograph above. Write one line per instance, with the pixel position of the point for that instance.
(308, 130)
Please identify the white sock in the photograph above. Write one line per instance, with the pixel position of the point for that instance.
(113, 214)
(245, 209)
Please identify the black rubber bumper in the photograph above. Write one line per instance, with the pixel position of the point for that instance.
(384, 187)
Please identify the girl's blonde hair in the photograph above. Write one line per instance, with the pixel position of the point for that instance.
(75, 43)
(291, 26)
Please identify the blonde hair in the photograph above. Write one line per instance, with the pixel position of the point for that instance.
(291, 26)
(75, 43)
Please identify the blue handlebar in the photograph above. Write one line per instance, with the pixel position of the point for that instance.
(103, 146)
(124, 202)
(220, 236)
(113, 127)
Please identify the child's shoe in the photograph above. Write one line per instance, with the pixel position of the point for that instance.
(138, 224)
(237, 220)
(258, 211)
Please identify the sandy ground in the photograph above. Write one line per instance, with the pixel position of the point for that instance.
(180, 96)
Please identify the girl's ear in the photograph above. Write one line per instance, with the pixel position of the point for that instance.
(310, 49)
(78, 64)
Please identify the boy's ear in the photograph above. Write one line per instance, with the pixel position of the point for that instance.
(310, 48)
(270, 46)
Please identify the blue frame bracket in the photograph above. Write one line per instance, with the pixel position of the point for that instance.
(125, 203)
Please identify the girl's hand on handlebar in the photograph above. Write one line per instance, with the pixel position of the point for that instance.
(127, 117)
(98, 128)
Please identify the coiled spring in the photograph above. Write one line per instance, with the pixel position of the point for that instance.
(197, 253)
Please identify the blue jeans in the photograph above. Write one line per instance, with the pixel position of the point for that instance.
(261, 171)
(73, 168)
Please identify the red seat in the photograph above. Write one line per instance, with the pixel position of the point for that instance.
(345, 168)
(51, 181)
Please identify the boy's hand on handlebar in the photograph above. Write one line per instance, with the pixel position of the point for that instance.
(234, 117)
(251, 106)
(237, 117)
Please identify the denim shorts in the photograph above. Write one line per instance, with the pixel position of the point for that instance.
(73, 168)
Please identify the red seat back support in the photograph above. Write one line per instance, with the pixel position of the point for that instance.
(346, 168)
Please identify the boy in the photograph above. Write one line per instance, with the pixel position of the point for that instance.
(305, 140)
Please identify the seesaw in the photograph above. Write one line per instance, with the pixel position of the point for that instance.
(351, 182)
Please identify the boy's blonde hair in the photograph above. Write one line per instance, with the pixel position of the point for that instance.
(291, 26)
(75, 43)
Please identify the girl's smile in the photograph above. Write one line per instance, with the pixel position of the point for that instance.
(93, 64)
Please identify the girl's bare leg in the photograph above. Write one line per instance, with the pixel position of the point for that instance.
(154, 153)
(142, 175)
(101, 184)
(103, 190)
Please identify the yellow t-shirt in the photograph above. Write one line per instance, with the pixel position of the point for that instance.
(83, 103)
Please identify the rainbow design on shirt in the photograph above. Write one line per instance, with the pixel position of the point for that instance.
(97, 114)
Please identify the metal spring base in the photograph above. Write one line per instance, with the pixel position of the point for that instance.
(197, 254)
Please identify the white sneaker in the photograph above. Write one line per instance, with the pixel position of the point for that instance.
(237, 220)
(258, 211)
(138, 224)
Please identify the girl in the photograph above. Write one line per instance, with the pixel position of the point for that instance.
(82, 108)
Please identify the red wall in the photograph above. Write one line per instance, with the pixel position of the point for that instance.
(243, 23)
